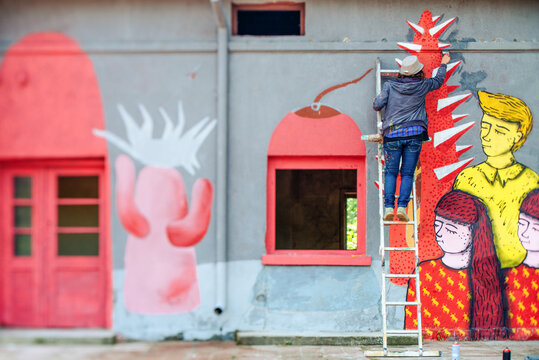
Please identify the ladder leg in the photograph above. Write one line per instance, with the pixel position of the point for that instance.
(416, 268)
(381, 211)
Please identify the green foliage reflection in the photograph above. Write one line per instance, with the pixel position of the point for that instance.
(351, 223)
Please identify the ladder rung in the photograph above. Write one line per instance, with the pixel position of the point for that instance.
(391, 276)
(388, 72)
(399, 222)
(402, 332)
(411, 196)
(399, 248)
(401, 303)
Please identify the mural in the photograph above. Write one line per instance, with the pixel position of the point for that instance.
(509, 190)
(478, 274)
(462, 290)
(522, 281)
(30, 69)
(301, 142)
(504, 217)
(439, 161)
(500, 181)
(160, 259)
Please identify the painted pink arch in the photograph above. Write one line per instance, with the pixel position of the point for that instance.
(50, 100)
(337, 135)
(316, 139)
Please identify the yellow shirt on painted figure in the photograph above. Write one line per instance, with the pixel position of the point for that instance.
(502, 192)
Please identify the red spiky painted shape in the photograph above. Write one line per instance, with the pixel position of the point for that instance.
(430, 187)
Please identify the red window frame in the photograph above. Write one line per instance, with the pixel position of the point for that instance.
(290, 6)
(316, 257)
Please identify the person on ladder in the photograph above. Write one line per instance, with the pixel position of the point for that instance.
(404, 128)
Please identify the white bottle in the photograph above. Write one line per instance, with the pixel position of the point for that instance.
(455, 351)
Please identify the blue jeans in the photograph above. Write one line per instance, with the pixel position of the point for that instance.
(409, 151)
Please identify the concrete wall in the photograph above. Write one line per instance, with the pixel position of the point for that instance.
(143, 53)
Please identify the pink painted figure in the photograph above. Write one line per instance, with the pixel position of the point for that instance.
(160, 259)
(528, 228)
(522, 281)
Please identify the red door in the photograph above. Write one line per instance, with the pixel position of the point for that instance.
(54, 248)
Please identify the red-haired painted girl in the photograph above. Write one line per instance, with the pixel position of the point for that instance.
(522, 282)
(461, 292)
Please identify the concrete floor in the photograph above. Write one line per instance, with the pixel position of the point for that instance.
(229, 350)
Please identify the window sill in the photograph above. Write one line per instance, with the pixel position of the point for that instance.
(304, 259)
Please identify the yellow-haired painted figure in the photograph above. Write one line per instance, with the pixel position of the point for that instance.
(500, 181)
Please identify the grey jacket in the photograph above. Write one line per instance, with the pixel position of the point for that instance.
(404, 100)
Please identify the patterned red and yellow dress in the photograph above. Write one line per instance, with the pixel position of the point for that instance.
(522, 291)
(445, 301)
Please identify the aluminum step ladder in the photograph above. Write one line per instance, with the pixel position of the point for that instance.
(385, 352)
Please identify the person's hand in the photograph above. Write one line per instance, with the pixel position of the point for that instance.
(446, 58)
(377, 138)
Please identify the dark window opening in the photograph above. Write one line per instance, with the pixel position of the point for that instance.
(22, 187)
(78, 244)
(77, 187)
(23, 245)
(312, 209)
(268, 19)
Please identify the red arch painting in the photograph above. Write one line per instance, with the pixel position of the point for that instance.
(50, 100)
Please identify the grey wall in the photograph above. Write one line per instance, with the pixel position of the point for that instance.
(142, 50)
(110, 21)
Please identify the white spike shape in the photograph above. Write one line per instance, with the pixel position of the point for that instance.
(444, 171)
(167, 132)
(410, 46)
(437, 30)
(435, 18)
(416, 27)
(450, 66)
(131, 125)
(398, 61)
(459, 117)
(181, 121)
(442, 136)
(462, 148)
(442, 45)
(147, 123)
(445, 102)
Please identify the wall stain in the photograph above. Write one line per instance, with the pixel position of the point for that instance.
(469, 81)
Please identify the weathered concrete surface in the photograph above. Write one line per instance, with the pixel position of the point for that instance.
(320, 339)
(57, 336)
(228, 350)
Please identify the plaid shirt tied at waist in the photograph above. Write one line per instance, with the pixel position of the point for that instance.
(405, 131)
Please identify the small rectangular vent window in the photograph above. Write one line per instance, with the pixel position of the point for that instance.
(268, 19)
